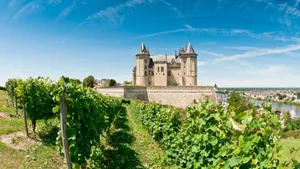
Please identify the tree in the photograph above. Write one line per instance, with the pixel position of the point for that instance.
(127, 82)
(281, 96)
(238, 104)
(89, 81)
(112, 82)
(10, 85)
(298, 95)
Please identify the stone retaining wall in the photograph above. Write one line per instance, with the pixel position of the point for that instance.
(179, 96)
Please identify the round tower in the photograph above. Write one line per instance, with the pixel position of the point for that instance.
(188, 66)
(142, 66)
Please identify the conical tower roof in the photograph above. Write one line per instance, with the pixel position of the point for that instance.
(143, 49)
(190, 49)
(181, 50)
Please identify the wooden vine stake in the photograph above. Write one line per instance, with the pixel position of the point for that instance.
(63, 127)
(25, 121)
(16, 100)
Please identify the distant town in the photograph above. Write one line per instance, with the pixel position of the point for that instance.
(267, 94)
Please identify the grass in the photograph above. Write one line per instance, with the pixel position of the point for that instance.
(6, 108)
(3, 97)
(10, 125)
(148, 150)
(287, 145)
(118, 152)
(37, 156)
(43, 155)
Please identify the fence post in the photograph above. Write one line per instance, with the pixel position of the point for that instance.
(63, 126)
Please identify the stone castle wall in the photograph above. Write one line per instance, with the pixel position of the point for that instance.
(179, 96)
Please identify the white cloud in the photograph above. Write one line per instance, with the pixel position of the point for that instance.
(259, 52)
(189, 28)
(13, 3)
(162, 33)
(272, 70)
(66, 11)
(29, 8)
(209, 53)
(179, 14)
(36, 5)
(54, 2)
(245, 48)
(114, 14)
(227, 32)
(289, 11)
(201, 63)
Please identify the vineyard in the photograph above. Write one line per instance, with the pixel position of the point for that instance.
(80, 128)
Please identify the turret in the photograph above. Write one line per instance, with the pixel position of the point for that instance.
(188, 59)
(142, 66)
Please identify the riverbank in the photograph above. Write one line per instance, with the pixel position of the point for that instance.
(279, 102)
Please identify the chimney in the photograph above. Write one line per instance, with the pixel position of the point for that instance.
(166, 57)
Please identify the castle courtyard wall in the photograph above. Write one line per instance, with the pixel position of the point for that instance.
(179, 96)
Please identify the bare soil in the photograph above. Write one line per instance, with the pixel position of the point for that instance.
(18, 140)
(4, 115)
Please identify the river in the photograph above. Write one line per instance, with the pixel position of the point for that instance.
(295, 110)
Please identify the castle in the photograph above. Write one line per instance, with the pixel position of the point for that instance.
(163, 70)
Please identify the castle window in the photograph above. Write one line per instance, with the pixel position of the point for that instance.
(169, 73)
(145, 67)
(162, 69)
(157, 69)
(183, 66)
(152, 73)
(145, 61)
(145, 73)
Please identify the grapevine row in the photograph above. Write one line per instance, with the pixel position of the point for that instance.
(89, 114)
(203, 136)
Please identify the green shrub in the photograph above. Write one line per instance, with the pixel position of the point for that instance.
(291, 133)
(293, 124)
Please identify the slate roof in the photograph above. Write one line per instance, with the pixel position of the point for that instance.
(190, 49)
(162, 58)
(143, 49)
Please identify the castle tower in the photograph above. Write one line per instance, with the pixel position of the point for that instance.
(188, 59)
(142, 66)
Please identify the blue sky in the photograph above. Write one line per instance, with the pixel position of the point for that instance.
(249, 43)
